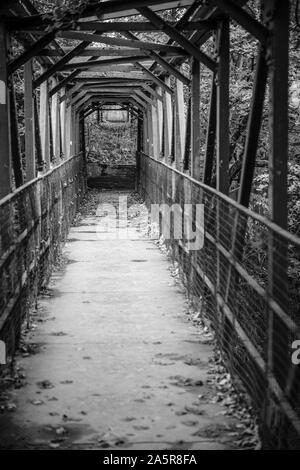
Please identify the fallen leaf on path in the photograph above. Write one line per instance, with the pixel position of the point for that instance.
(58, 333)
(61, 430)
(129, 419)
(45, 384)
(186, 381)
(190, 423)
(140, 427)
(192, 410)
(11, 407)
(54, 445)
(37, 402)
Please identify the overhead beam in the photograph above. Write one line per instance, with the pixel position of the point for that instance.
(99, 63)
(103, 90)
(120, 26)
(178, 37)
(152, 92)
(8, 4)
(58, 65)
(139, 101)
(66, 80)
(154, 78)
(62, 83)
(123, 69)
(198, 38)
(111, 52)
(30, 53)
(105, 10)
(144, 97)
(114, 88)
(165, 64)
(115, 41)
(70, 92)
(170, 68)
(182, 22)
(127, 78)
(244, 19)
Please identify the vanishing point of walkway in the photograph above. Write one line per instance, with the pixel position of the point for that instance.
(117, 362)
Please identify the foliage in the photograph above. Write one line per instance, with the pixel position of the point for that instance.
(110, 143)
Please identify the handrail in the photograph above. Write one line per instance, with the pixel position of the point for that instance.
(271, 225)
(14, 193)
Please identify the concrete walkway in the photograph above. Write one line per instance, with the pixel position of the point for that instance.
(117, 364)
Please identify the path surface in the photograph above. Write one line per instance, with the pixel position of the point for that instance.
(117, 364)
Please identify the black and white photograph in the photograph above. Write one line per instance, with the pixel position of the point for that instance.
(149, 230)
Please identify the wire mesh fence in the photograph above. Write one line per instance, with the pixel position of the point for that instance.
(34, 220)
(246, 280)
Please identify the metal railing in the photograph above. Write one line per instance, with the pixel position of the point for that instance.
(246, 280)
(34, 220)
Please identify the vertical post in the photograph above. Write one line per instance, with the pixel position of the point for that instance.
(196, 164)
(223, 107)
(253, 129)
(150, 134)
(29, 123)
(51, 147)
(63, 124)
(5, 163)
(173, 134)
(210, 136)
(160, 123)
(38, 143)
(155, 135)
(278, 118)
(68, 131)
(276, 16)
(222, 170)
(82, 133)
(139, 140)
(180, 123)
(55, 118)
(73, 132)
(44, 124)
(138, 150)
(167, 103)
(14, 136)
(145, 133)
(187, 150)
(77, 146)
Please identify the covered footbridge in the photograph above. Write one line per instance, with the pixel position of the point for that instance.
(153, 59)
